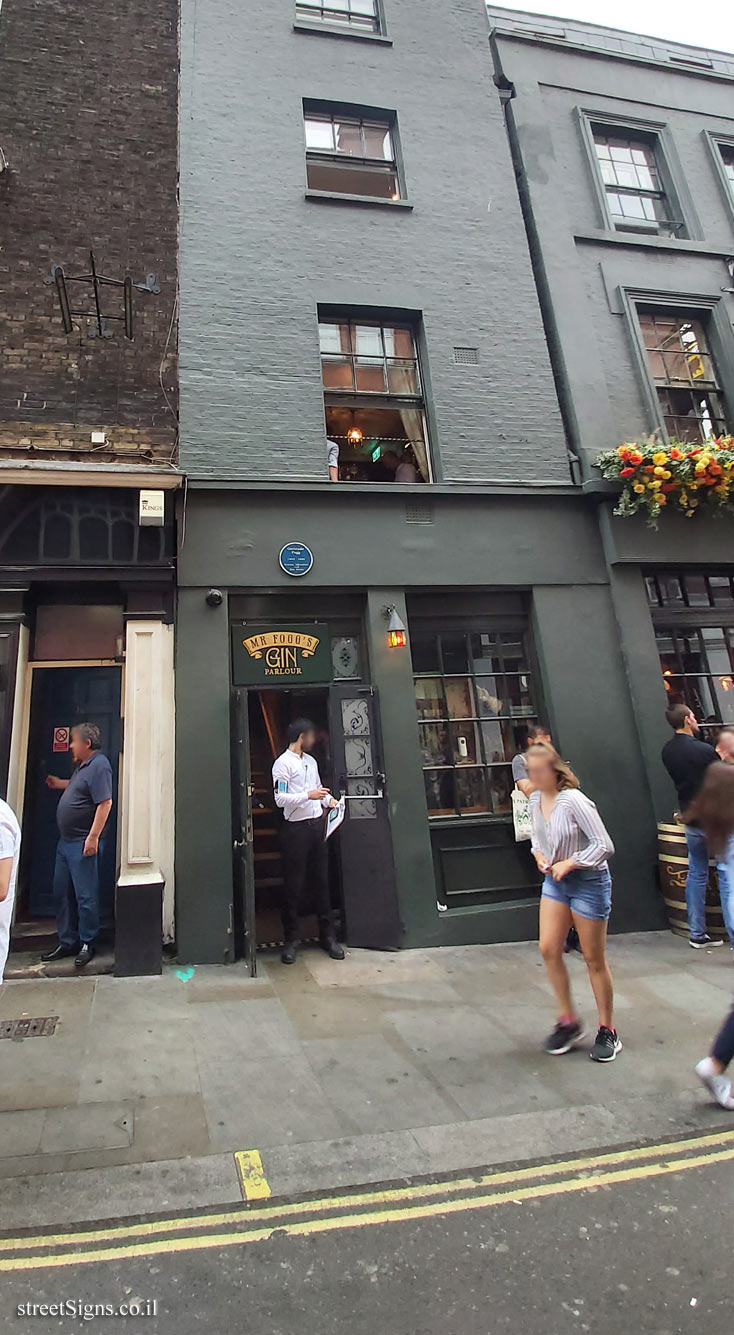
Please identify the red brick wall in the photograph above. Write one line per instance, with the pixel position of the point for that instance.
(88, 123)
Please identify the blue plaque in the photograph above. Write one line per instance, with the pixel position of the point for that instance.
(295, 558)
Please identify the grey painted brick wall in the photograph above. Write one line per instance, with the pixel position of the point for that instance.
(257, 258)
(585, 265)
(88, 113)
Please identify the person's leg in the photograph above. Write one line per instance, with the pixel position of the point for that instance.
(696, 880)
(555, 920)
(725, 870)
(295, 854)
(85, 879)
(318, 874)
(711, 1070)
(593, 938)
(67, 920)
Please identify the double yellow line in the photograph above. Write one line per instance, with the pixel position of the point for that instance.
(359, 1209)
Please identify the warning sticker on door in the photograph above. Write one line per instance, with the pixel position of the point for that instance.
(61, 738)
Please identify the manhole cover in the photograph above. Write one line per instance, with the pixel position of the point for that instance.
(43, 1026)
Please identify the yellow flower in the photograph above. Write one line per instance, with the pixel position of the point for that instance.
(667, 474)
(660, 458)
(638, 487)
(701, 466)
(660, 472)
(654, 484)
(662, 500)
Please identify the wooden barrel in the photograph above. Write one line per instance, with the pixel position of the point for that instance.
(673, 863)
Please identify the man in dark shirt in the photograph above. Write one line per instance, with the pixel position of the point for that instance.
(686, 758)
(85, 804)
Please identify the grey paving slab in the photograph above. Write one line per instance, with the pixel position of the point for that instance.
(273, 1101)
(20, 1132)
(460, 1031)
(498, 1084)
(694, 996)
(124, 1061)
(91, 1126)
(366, 967)
(238, 1031)
(104, 1193)
(376, 1088)
(325, 1165)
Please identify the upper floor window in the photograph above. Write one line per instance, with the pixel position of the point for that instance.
(727, 158)
(684, 373)
(633, 181)
(373, 401)
(351, 155)
(362, 14)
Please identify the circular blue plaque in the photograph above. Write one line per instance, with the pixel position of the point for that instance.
(295, 558)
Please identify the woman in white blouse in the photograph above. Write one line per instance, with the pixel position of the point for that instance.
(571, 847)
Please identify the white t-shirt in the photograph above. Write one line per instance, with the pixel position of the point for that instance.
(9, 848)
(332, 453)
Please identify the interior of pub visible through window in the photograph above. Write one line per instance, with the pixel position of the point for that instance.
(693, 616)
(373, 402)
(475, 702)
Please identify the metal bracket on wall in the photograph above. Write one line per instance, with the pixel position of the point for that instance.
(97, 281)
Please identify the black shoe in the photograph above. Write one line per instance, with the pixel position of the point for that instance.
(332, 947)
(86, 954)
(288, 953)
(606, 1045)
(703, 942)
(572, 942)
(564, 1037)
(60, 953)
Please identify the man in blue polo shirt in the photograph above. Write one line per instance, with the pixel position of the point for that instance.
(85, 804)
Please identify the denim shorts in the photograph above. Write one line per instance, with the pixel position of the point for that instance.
(587, 893)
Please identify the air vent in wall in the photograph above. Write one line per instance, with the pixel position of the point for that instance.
(466, 356)
(419, 512)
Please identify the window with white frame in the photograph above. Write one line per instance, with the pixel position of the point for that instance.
(351, 155)
(684, 374)
(373, 400)
(363, 15)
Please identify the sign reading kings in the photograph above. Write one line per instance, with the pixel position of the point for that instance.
(278, 656)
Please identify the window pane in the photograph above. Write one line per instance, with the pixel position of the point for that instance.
(319, 134)
(362, 6)
(369, 375)
(485, 653)
(440, 792)
(368, 340)
(377, 141)
(429, 698)
(513, 653)
(343, 177)
(465, 744)
(402, 377)
(501, 742)
(348, 137)
(460, 697)
(491, 696)
(424, 652)
(435, 744)
(334, 337)
(453, 650)
(518, 691)
(717, 651)
(500, 789)
(696, 592)
(721, 590)
(471, 791)
(336, 373)
(345, 657)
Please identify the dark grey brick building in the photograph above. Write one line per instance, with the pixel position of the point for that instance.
(88, 133)
(365, 374)
(624, 152)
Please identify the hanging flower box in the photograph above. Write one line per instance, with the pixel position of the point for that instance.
(680, 476)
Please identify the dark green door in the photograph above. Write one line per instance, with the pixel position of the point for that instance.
(60, 698)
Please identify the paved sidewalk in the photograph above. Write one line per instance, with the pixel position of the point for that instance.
(385, 1066)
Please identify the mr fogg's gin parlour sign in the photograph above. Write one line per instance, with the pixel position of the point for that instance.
(280, 655)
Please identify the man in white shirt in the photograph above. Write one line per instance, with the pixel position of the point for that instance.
(302, 799)
(9, 858)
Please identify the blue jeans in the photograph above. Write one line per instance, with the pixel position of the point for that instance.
(76, 893)
(697, 878)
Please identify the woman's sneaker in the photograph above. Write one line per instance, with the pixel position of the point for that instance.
(606, 1046)
(564, 1037)
(719, 1086)
(704, 942)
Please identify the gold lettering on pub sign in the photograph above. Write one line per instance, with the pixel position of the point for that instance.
(280, 650)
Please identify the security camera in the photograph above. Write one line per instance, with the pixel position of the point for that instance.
(215, 598)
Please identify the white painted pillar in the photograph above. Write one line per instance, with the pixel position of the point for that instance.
(147, 786)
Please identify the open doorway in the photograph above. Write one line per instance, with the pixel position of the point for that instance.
(269, 713)
(61, 696)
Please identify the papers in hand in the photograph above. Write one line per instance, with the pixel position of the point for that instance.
(334, 817)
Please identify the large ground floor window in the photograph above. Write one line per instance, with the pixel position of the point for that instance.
(693, 615)
(475, 700)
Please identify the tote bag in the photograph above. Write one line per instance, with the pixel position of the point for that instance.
(521, 818)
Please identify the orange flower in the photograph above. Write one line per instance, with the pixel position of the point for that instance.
(669, 486)
(624, 451)
(676, 454)
(626, 472)
(635, 457)
(716, 469)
